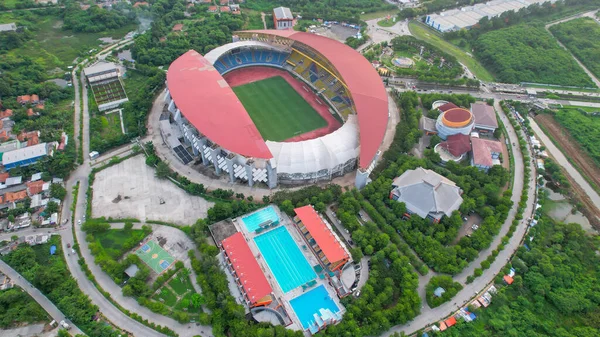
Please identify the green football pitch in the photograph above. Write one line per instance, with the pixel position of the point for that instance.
(278, 111)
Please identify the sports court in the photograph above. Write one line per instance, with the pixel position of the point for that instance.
(154, 256)
(278, 111)
(284, 258)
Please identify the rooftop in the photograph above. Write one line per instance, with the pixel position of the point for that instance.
(99, 68)
(283, 13)
(6, 27)
(483, 149)
(447, 106)
(484, 115)
(246, 267)
(457, 117)
(426, 192)
(457, 145)
(25, 153)
(329, 244)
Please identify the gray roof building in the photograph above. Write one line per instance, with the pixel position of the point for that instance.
(426, 193)
(131, 270)
(282, 13)
(8, 27)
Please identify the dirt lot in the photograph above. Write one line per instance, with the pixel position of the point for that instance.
(577, 155)
(130, 190)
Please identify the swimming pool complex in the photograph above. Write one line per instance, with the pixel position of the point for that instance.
(254, 220)
(285, 260)
(315, 308)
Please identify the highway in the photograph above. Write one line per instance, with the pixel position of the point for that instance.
(37, 295)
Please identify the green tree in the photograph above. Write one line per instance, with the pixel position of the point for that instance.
(58, 191)
(51, 207)
(162, 170)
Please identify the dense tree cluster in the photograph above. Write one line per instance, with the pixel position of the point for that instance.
(527, 53)
(582, 37)
(462, 100)
(585, 129)
(16, 307)
(451, 288)
(94, 19)
(50, 275)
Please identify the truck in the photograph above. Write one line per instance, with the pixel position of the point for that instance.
(64, 325)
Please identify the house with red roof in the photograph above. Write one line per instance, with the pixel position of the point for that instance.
(225, 9)
(224, 2)
(454, 147)
(35, 187)
(323, 240)
(447, 106)
(3, 177)
(508, 280)
(486, 153)
(28, 99)
(31, 137)
(30, 112)
(140, 3)
(450, 321)
(6, 114)
(249, 276)
(15, 196)
(178, 27)
(212, 9)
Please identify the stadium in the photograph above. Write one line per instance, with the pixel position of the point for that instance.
(278, 107)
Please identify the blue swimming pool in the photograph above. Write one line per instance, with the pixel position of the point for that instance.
(315, 302)
(254, 220)
(285, 260)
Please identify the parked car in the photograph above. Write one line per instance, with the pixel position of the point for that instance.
(68, 245)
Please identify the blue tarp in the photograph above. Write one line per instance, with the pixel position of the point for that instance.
(52, 249)
(472, 316)
(425, 334)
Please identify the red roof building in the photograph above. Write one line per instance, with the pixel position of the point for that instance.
(32, 137)
(509, 280)
(6, 113)
(313, 227)
(450, 321)
(3, 177)
(23, 99)
(486, 152)
(251, 279)
(35, 187)
(224, 2)
(225, 9)
(140, 3)
(34, 99)
(447, 106)
(4, 136)
(30, 112)
(15, 196)
(485, 117)
(212, 9)
(457, 145)
(178, 27)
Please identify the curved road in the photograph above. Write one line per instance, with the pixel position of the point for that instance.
(430, 316)
(37, 295)
(111, 312)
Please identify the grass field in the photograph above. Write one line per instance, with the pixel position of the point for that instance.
(181, 284)
(428, 35)
(117, 242)
(386, 23)
(167, 296)
(278, 111)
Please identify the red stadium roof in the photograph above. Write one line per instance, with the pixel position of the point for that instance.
(457, 115)
(207, 101)
(365, 86)
(253, 280)
(323, 236)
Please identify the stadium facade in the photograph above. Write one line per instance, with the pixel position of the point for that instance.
(219, 130)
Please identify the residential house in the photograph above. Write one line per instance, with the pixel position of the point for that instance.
(486, 153)
(283, 18)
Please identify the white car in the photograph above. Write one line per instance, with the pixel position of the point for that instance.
(79, 222)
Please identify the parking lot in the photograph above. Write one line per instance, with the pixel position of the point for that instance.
(130, 190)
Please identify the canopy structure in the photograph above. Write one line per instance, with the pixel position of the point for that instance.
(329, 244)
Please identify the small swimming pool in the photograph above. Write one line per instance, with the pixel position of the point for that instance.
(315, 302)
(254, 220)
(284, 258)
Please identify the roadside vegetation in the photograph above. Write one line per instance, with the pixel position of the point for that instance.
(17, 308)
(49, 274)
(582, 37)
(526, 53)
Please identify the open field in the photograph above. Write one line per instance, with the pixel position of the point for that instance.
(423, 33)
(582, 38)
(386, 22)
(52, 46)
(130, 190)
(278, 111)
(116, 242)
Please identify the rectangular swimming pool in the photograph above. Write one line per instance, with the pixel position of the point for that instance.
(254, 220)
(285, 260)
(317, 301)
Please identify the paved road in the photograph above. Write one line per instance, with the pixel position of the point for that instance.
(429, 316)
(37, 295)
(564, 162)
